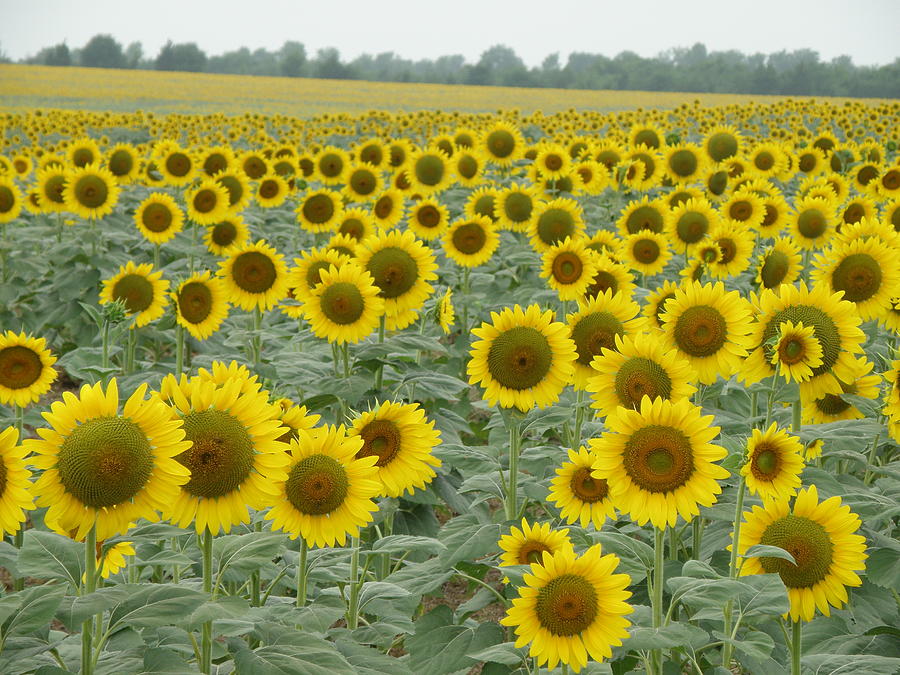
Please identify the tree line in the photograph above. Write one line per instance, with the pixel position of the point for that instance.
(800, 72)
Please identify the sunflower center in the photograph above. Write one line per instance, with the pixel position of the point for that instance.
(532, 552)
(567, 605)
(700, 331)
(331, 165)
(254, 167)
(824, 331)
(105, 461)
(91, 191)
(722, 146)
(429, 170)
(740, 210)
(717, 183)
(501, 143)
(53, 190)
(774, 269)
(891, 180)
(384, 207)
(195, 302)
(234, 187)
(20, 367)
(661, 308)
(646, 251)
(832, 404)
(205, 200)
(765, 463)
(791, 350)
(395, 271)
(135, 291)
(770, 216)
(428, 216)
(553, 162)
(221, 456)
(587, 488)
(254, 272)
(382, 439)
(594, 332)
(520, 357)
(812, 223)
(317, 485)
(603, 281)
(858, 275)
(658, 458)
(554, 225)
(156, 217)
(639, 377)
(683, 163)
(353, 227)
(469, 238)
(268, 189)
(214, 163)
(363, 182)
(807, 162)
(120, 163)
(82, 157)
(484, 206)
(318, 209)
(371, 154)
(178, 164)
(692, 227)
(342, 303)
(764, 161)
(854, 213)
(223, 234)
(567, 268)
(644, 218)
(807, 541)
(467, 166)
(518, 207)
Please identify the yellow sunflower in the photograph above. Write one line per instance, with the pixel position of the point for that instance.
(26, 369)
(578, 495)
(234, 455)
(114, 558)
(813, 222)
(690, 221)
(429, 171)
(83, 151)
(271, 191)
(428, 219)
(553, 221)
(237, 185)
(774, 464)
(388, 208)
(834, 407)
(646, 252)
(656, 303)
(207, 203)
(141, 289)
(569, 268)
(611, 276)
(329, 491)
(502, 143)
(200, 304)
(515, 207)
(526, 546)
(746, 208)
(604, 242)
(552, 161)
(402, 267)
(639, 365)
(684, 163)
(776, 215)
(177, 165)
(307, 271)
(227, 236)
(820, 537)
(344, 307)
(356, 222)
(722, 142)
(15, 488)
(362, 182)
(709, 328)
(445, 314)
(331, 164)
(105, 468)
(402, 440)
(90, 192)
(159, 218)
(658, 461)
(123, 162)
(796, 351)
(255, 276)
(294, 418)
(642, 215)
(471, 242)
(482, 202)
(780, 263)
(51, 182)
(572, 608)
(522, 358)
(320, 211)
(736, 243)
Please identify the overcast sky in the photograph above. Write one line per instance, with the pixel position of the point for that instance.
(866, 30)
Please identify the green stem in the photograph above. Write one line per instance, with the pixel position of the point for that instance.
(673, 544)
(335, 357)
(870, 461)
(179, 350)
(129, 352)
(105, 344)
(353, 604)
(379, 374)
(345, 357)
(90, 585)
(796, 416)
(770, 400)
(257, 337)
(657, 599)
(193, 227)
(156, 257)
(515, 440)
(465, 292)
(754, 407)
(727, 648)
(206, 546)
(3, 261)
(19, 536)
(176, 569)
(386, 557)
(579, 418)
(696, 536)
(301, 573)
(796, 647)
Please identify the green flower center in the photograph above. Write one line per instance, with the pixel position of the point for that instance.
(91, 191)
(380, 438)
(567, 605)
(774, 269)
(858, 275)
(223, 234)
(519, 358)
(587, 488)
(804, 539)
(644, 218)
(156, 217)
(721, 146)
(178, 164)
(517, 207)
(766, 462)
(254, 272)
(469, 238)
(593, 332)
(317, 485)
(824, 330)
(135, 291)
(683, 163)
(501, 143)
(20, 367)
(429, 170)
(195, 302)
(221, 456)
(638, 377)
(700, 331)
(691, 227)
(318, 209)
(342, 303)
(658, 458)
(554, 225)
(395, 271)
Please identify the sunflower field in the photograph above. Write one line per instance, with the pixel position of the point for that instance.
(451, 393)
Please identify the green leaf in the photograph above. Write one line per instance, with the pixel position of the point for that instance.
(435, 386)
(673, 635)
(755, 644)
(229, 607)
(246, 553)
(304, 655)
(47, 555)
(73, 610)
(883, 568)
(439, 646)
(505, 653)
(858, 664)
(368, 661)
(159, 661)
(405, 543)
(764, 551)
(465, 538)
(152, 605)
(37, 606)
(381, 590)
(768, 595)
(421, 578)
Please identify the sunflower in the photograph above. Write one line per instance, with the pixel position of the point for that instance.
(604, 242)
(709, 328)
(684, 163)
(596, 325)
(344, 306)
(820, 537)
(356, 222)
(688, 222)
(502, 143)
(445, 314)
(225, 237)
(237, 184)
(207, 203)
(177, 165)
(428, 219)
(642, 215)
(767, 159)
(255, 276)
(468, 167)
(402, 440)
(221, 373)
(253, 164)
(593, 177)
(552, 161)
(471, 242)
(553, 222)
(200, 304)
(103, 468)
(320, 211)
(362, 182)
(652, 164)
(329, 491)
(83, 151)
(515, 207)
(639, 365)
(774, 463)
(834, 407)
(214, 160)
(646, 252)
(159, 218)
(15, 488)
(658, 461)
(611, 276)
(571, 608)
(271, 191)
(141, 289)
(26, 369)
(887, 185)
(122, 161)
(294, 418)
(388, 208)
(372, 152)
(344, 244)
(736, 243)
(796, 351)
(813, 222)
(811, 161)
(90, 192)
(715, 182)
(307, 271)
(648, 135)
(781, 263)
(578, 495)
(656, 302)
(429, 171)
(722, 143)
(234, 456)
(482, 202)
(776, 215)
(331, 164)
(522, 358)
(866, 270)
(51, 182)
(569, 268)
(857, 209)
(526, 546)
(836, 327)
(114, 558)
(746, 208)
(402, 267)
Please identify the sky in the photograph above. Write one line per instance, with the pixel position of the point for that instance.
(865, 30)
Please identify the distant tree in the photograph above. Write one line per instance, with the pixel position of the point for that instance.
(292, 59)
(134, 55)
(328, 64)
(57, 55)
(186, 56)
(102, 51)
